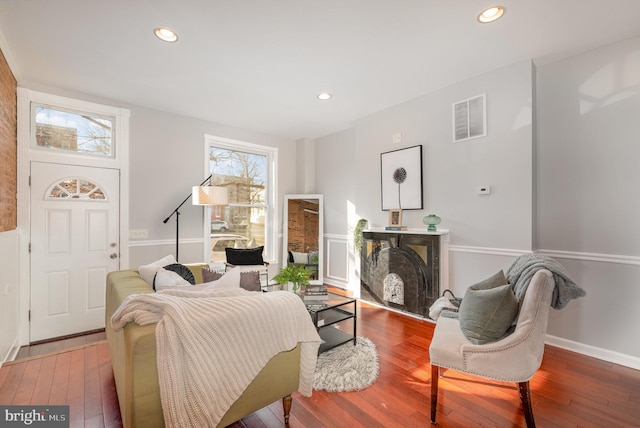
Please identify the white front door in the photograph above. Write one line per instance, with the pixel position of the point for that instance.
(74, 244)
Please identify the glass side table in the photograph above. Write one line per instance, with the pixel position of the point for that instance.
(327, 313)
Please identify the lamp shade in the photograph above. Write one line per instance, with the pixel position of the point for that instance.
(209, 195)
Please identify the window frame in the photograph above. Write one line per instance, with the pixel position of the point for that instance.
(64, 109)
(271, 191)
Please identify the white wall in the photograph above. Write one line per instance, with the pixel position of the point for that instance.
(9, 292)
(167, 159)
(589, 151)
(451, 171)
(335, 179)
(561, 157)
(588, 174)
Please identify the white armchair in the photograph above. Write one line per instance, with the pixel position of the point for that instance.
(514, 358)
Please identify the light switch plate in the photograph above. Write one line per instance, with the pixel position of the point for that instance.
(138, 234)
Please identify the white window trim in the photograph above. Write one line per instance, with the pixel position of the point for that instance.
(64, 152)
(271, 252)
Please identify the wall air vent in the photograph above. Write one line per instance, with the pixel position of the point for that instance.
(469, 118)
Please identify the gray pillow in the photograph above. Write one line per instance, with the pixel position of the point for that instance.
(250, 281)
(487, 310)
(494, 280)
(209, 275)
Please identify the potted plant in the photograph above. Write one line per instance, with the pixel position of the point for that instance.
(357, 235)
(297, 275)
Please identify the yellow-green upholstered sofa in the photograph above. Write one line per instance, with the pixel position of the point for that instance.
(133, 357)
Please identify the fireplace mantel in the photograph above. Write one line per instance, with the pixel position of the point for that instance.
(404, 270)
(416, 231)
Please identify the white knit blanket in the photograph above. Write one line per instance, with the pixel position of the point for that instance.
(212, 344)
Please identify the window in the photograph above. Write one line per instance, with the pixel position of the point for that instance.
(246, 170)
(75, 188)
(82, 133)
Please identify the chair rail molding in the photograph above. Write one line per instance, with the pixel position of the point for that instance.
(593, 257)
(509, 252)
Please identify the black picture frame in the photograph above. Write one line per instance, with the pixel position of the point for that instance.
(401, 179)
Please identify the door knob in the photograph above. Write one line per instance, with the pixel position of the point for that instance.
(113, 256)
(113, 244)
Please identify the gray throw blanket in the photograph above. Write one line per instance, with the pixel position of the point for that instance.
(525, 266)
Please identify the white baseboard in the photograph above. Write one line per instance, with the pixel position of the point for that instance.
(12, 353)
(336, 282)
(595, 352)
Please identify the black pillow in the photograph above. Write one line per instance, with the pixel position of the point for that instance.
(244, 256)
(183, 271)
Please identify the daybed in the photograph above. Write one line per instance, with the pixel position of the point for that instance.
(133, 357)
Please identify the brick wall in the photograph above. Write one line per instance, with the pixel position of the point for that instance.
(8, 147)
(303, 226)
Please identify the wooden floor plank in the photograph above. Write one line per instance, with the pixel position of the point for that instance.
(42, 389)
(27, 383)
(12, 379)
(60, 385)
(92, 386)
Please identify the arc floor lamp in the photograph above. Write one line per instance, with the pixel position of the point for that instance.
(208, 195)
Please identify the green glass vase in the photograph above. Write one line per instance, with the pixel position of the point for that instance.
(431, 221)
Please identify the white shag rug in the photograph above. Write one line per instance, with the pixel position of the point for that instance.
(347, 367)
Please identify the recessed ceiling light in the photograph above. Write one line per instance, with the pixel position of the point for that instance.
(166, 34)
(491, 14)
(324, 96)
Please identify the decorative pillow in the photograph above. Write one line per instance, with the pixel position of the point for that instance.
(245, 256)
(166, 278)
(209, 275)
(183, 271)
(302, 258)
(487, 311)
(148, 272)
(250, 281)
(494, 280)
(231, 279)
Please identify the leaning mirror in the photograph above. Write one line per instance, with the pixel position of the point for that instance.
(302, 234)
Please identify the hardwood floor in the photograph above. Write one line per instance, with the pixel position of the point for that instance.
(569, 390)
(60, 345)
(80, 377)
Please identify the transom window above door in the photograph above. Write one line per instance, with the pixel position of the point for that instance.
(83, 133)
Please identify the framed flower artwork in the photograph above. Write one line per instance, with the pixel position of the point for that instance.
(401, 179)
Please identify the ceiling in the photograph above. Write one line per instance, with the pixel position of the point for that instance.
(258, 64)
